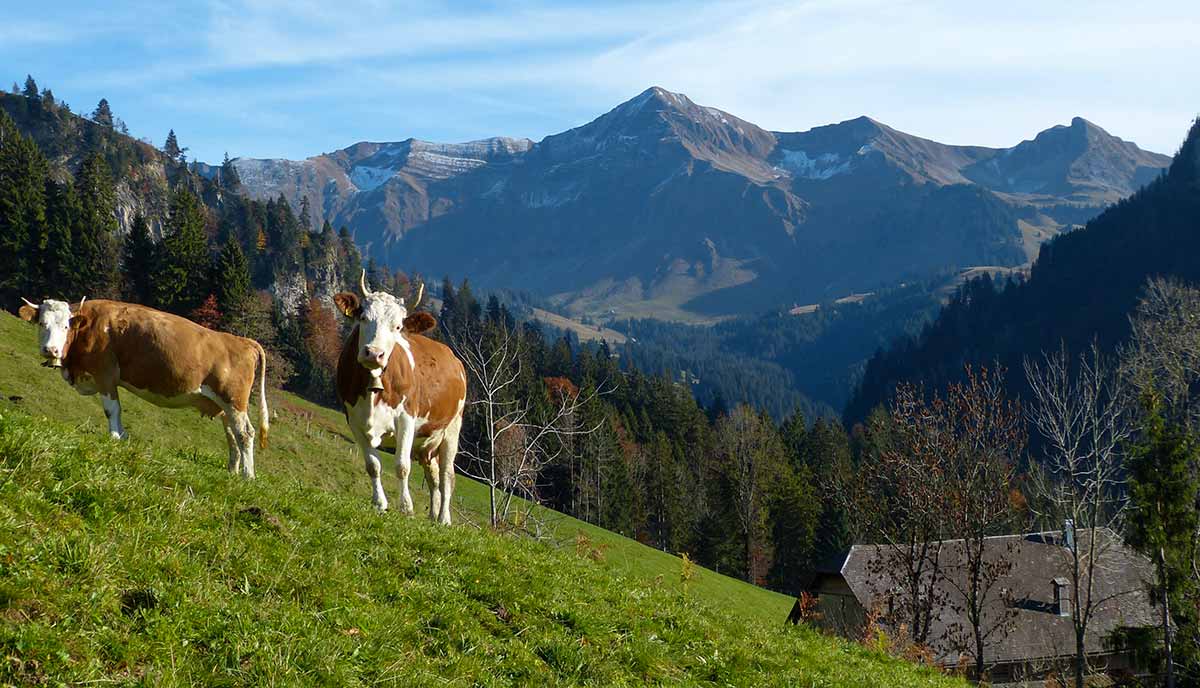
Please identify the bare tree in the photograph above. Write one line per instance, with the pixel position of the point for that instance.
(519, 438)
(1163, 352)
(989, 437)
(1082, 412)
(897, 499)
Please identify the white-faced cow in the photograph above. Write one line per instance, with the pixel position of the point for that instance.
(170, 361)
(403, 390)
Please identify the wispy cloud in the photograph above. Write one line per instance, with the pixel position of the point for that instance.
(268, 77)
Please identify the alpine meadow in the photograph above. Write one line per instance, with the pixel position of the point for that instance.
(600, 344)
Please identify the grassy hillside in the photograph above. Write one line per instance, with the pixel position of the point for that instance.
(144, 562)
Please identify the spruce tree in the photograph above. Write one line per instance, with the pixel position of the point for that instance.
(95, 238)
(351, 259)
(59, 269)
(102, 115)
(1163, 491)
(171, 147)
(232, 285)
(31, 88)
(305, 215)
(181, 278)
(229, 174)
(140, 260)
(23, 174)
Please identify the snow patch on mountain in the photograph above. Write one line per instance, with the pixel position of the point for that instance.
(822, 166)
(367, 178)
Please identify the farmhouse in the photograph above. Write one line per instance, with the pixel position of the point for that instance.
(1029, 604)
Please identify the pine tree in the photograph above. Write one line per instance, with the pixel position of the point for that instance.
(23, 175)
(140, 261)
(48, 98)
(171, 148)
(181, 277)
(232, 285)
(1163, 493)
(31, 88)
(351, 259)
(16, 90)
(95, 238)
(229, 174)
(102, 115)
(305, 215)
(60, 270)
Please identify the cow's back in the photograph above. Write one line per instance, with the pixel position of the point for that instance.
(165, 354)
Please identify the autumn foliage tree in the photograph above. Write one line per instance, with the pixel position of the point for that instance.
(321, 336)
(207, 313)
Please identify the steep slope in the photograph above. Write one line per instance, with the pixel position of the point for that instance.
(665, 208)
(144, 562)
(1082, 287)
(144, 175)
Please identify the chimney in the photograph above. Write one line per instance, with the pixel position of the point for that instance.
(1069, 535)
(1062, 596)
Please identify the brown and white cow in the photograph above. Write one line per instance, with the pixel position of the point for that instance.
(170, 361)
(401, 389)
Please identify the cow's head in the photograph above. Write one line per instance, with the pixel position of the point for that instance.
(383, 321)
(54, 320)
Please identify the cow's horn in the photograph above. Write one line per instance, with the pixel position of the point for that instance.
(29, 303)
(362, 283)
(81, 301)
(420, 293)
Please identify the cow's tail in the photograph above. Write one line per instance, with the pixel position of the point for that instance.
(264, 416)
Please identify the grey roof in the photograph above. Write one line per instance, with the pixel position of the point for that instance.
(1036, 630)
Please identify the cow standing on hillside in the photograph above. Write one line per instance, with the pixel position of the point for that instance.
(404, 389)
(170, 361)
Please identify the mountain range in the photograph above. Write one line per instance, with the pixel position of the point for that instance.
(1081, 292)
(665, 208)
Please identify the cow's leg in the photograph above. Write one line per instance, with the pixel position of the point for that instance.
(434, 479)
(239, 432)
(374, 466)
(235, 450)
(446, 453)
(244, 431)
(406, 429)
(112, 411)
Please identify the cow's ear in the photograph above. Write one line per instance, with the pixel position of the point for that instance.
(79, 321)
(419, 322)
(348, 304)
(28, 313)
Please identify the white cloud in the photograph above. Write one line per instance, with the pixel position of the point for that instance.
(316, 74)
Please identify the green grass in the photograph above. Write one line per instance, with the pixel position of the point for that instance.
(145, 563)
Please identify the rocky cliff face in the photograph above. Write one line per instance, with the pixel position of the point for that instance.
(665, 208)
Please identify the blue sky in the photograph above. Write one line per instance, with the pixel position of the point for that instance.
(268, 78)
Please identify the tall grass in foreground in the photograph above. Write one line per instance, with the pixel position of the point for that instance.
(125, 563)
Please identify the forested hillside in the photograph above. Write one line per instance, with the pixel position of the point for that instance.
(652, 464)
(783, 361)
(1083, 287)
